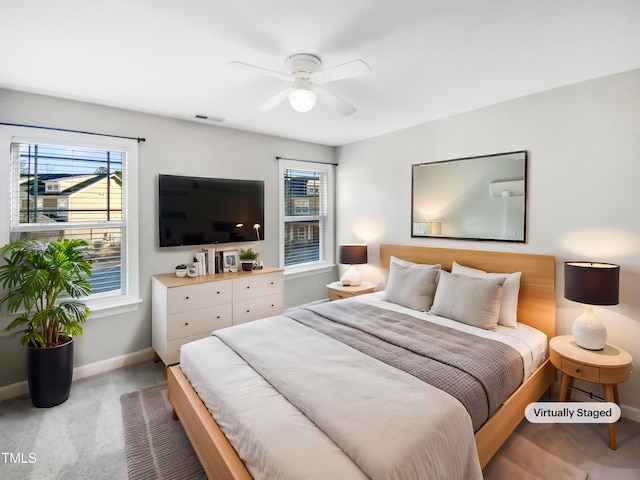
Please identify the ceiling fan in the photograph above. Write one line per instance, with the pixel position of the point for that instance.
(303, 80)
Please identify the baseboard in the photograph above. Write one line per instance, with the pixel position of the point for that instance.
(631, 413)
(21, 388)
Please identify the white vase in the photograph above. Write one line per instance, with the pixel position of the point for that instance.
(589, 331)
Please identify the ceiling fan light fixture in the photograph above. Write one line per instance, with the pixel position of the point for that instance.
(302, 99)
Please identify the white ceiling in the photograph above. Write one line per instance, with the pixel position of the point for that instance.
(429, 58)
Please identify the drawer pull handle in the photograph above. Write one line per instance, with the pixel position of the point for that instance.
(248, 311)
(186, 324)
(271, 283)
(247, 287)
(218, 293)
(186, 298)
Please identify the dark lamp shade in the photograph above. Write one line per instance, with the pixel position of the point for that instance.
(591, 283)
(353, 254)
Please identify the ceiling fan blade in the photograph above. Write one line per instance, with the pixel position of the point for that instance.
(334, 102)
(340, 72)
(275, 100)
(264, 71)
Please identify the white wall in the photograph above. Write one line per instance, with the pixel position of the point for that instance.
(174, 147)
(583, 171)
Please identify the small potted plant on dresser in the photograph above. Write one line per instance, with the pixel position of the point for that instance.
(248, 259)
(181, 270)
(44, 282)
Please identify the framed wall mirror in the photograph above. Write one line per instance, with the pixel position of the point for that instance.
(473, 198)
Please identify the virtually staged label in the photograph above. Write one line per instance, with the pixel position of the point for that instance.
(572, 412)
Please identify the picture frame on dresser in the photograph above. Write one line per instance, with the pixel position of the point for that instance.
(230, 260)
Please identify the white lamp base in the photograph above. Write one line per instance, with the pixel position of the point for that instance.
(589, 331)
(352, 277)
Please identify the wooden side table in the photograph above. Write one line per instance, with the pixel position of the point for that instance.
(337, 291)
(608, 367)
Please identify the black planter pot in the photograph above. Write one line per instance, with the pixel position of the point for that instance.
(50, 371)
(247, 266)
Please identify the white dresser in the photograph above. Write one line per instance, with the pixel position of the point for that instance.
(186, 309)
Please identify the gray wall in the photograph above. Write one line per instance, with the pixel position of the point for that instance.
(584, 168)
(174, 147)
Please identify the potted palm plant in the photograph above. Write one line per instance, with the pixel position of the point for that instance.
(44, 282)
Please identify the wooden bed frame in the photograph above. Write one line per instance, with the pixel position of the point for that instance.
(536, 307)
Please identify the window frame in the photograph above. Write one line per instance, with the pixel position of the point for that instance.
(326, 262)
(101, 304)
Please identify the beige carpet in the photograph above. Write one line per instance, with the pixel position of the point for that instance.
(155, 444)
(521, 459)
(586, 446)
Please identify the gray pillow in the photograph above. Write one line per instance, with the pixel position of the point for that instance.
(470, 300)
(510, 291)
(411, 284)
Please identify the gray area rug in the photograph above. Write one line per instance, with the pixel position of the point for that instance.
(155, 444)
(157, 447)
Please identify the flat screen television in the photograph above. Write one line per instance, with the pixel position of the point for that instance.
(200, 211)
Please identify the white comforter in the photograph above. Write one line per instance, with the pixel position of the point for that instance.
(297, 404)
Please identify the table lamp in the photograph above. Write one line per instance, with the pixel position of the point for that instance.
(591, 284)
(354, 254)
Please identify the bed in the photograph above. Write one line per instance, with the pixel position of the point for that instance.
(536, 308)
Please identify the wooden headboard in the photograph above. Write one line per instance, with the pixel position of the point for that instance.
(537, 301)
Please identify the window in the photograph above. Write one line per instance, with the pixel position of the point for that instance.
(71, 189)
(306, 215)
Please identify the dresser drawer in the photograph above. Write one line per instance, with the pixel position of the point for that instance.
(253, 286)
(581, 371)
(205, 320)
(195, 297)
(256, 308)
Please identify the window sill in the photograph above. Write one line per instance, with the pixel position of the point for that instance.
(306, 270)
(114, 306)
(99, 309)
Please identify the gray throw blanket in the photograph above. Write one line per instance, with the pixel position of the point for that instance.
(479, 372)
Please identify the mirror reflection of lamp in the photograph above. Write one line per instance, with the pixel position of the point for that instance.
(352, 254)
(256, 227)
(427, 228)
(591, 284)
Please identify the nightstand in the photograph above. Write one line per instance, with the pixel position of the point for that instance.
(337, 291)
(609, 366)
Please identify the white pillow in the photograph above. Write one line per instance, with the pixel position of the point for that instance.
(471, 300)
(411, 284)
(511, 289)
